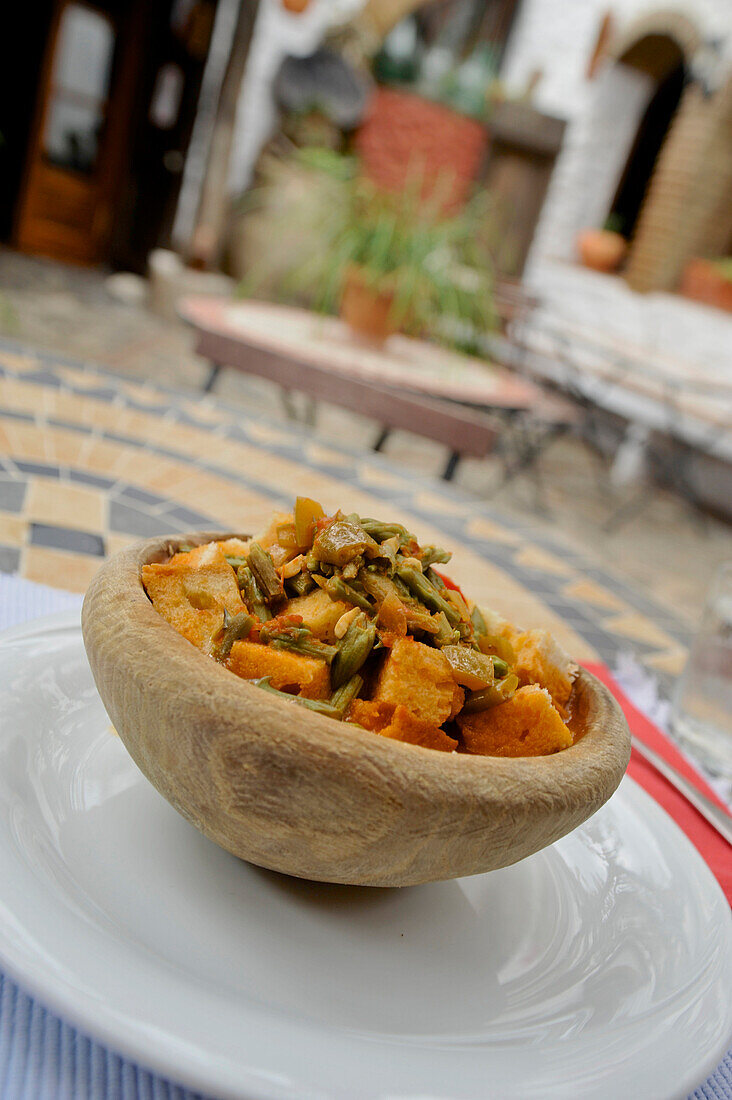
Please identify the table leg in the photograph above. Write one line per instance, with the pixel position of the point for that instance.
(214, 371)
(383, 436)
(451, 467)
(311, 412)
(288, 404)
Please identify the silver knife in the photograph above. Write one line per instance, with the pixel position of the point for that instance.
(716, 816)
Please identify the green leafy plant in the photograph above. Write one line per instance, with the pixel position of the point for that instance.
(437, 266)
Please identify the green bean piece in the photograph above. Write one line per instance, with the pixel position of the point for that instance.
(344, 696)
(338, 589)
(435, 578)
(299, 639)
(388, 550)
(425, 591)
(252, 593)
(479, 623)
(265, 573)
(500, 667)
(432, 554)
(482, 700)
(381, 531)
(312, 704)
(300, 585)
(355, 647)
(446, 635)
(401, 587)
(236, 627)
(235, 560)
(380, 586)
(491, 696)
(311, 563)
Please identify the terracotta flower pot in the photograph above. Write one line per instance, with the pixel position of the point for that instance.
(601, 249)
(704, 282)
(366, 307)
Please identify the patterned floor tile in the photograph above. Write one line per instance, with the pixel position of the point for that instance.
(638, 628)
(443, 505)
(66, 538)
(12, 529)
(124, 519)
(65, 504)
(534, 558)
(12, 495)
(58, 568)
(9, 559)
(130, 461)
(481, 528)
(592, 593)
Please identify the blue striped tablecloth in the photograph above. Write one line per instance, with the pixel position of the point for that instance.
(44, 1058)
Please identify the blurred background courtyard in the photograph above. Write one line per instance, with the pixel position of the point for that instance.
(537, 190)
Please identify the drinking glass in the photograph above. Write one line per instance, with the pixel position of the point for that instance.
(701, 715)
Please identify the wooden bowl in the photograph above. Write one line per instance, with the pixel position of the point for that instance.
(294, 791)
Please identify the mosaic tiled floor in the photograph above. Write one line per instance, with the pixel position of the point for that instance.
(90, 462)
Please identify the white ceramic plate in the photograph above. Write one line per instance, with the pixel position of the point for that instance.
(600, 967)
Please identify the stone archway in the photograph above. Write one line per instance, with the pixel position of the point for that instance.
(686, 211)
(600, 142)
(660, 23)
(685, 206)
(661, 62)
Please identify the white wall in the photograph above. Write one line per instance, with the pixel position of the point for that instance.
(558, 37)
(277, 34)
(594, 153)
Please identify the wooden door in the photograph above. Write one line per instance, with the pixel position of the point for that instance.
(65, 210)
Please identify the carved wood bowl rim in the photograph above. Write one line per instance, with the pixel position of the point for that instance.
(480, 812)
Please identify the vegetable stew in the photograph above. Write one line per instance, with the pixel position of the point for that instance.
(350, 617)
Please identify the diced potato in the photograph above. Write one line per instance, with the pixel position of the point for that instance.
(420, 679)
(192, 590)
(528, 724)
(319, 613)
(399, 724)
(292, 672)
(540, 660)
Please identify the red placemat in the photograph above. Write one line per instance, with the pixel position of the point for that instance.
(713, 848)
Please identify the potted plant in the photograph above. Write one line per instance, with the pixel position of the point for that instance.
(367, 304)
(602, 249)
(391, 261)
(709, 281)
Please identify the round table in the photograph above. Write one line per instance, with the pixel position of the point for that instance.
(90, 462)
